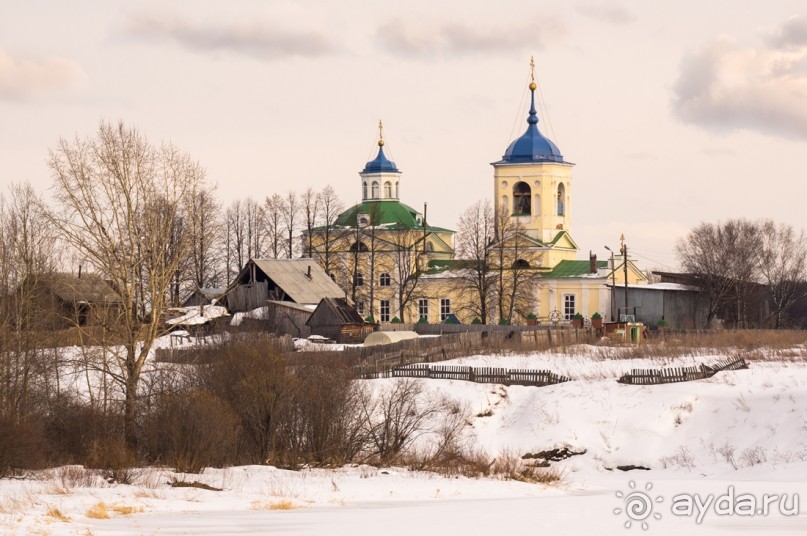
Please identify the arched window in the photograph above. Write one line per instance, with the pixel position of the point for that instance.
(561, 200)
(375, 190)
(384, 280)
(396, 190)
(387, 190)
(364, 190)
(522, 199)
(358, 279)
(521, 263)
(536, 206)
(358, 246)
(505, 204)
(429, 246)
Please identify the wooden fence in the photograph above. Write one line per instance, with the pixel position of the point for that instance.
(535, 378)
(680, 374)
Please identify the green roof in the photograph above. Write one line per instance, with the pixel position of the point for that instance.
(388, 213)
(574, 268)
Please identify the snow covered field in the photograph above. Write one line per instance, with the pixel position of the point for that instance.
(731, 440)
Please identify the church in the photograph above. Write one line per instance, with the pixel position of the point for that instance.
(397, 267)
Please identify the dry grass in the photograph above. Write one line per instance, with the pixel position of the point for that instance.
(284, 504)
(101, 510)
(98, 511)
(56, 514)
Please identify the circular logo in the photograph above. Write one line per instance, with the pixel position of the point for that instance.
(638, 505)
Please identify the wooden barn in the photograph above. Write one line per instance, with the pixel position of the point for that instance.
(335, 319)
(299, 281)
(206, 296)
(62, 300)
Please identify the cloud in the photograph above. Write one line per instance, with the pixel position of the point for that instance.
(257, 39)
(458, 39)
(793, 33)
(725, 86)
(607, 13)
(24, 77)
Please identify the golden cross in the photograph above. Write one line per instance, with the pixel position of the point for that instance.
(380, 130)
(532, 69)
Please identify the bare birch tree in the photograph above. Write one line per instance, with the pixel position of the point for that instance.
(310, 200)
(273, 219)
(474, 244)
(783, 265)
(289, 216)
(117, 199)
(330, 207)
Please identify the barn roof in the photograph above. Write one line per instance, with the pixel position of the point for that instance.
(337, 311)
(302, 280)
(89, 288)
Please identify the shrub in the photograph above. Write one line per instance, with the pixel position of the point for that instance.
(504, 322)
(423, 320)
(662, 323)
(21, 446)
(578, 316)
(596, 316)
(395, 320)
(476, 321)
(531, 316)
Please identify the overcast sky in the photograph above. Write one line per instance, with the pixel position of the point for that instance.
(675, 113)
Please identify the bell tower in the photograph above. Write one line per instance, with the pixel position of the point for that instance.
(532, 182)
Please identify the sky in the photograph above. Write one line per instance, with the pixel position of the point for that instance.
(674, 113)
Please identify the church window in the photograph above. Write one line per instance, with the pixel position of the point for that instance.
(569, 308)
(358, 246)
(445, 308)
(384, 307)
(360, 307)
(561, 200)
(505, 204)
(429, 246)
(375, 190)
(396, 190)
(364, 190)
(537, 205)
(522, 202)
(358, 279)
(423, 309)
(384, 280)
(521, 263)
(387, 190)
(504, 184)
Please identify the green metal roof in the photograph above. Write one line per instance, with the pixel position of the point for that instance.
(574, 268)
(388, 213)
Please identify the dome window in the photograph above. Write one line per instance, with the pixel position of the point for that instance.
(375, 190)
(387, 190)
(561, 200)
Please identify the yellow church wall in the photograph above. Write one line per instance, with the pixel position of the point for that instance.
(543, 180)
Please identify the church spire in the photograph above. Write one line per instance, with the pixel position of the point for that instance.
(380, 133)
(533, 118)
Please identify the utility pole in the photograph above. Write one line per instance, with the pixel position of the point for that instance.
(613, 285)
(624, 251)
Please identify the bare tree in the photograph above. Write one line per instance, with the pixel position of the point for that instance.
(474, 244)
(783, 265)
(724, 259)
(117, 199)
(255, 227)
(330, 207)
(205, 230)
(289, 216)
(310, 201)
(273, 219)
(236, 239)
(28, 252)
(406, 253)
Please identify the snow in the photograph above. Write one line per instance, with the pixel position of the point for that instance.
(191, 316)
(257, 314)
(746, 429)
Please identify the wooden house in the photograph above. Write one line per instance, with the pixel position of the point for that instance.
(335, 319)
(300, 281)
(62, 300)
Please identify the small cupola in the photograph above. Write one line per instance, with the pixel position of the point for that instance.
(380, 176)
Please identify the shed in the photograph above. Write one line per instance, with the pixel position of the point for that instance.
(288, 318)
(388, 337)
(63, 300)
(335, 319)
(206, 296)
(300, 281)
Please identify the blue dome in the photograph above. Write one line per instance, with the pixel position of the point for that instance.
(532, 146)
(381, 164)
